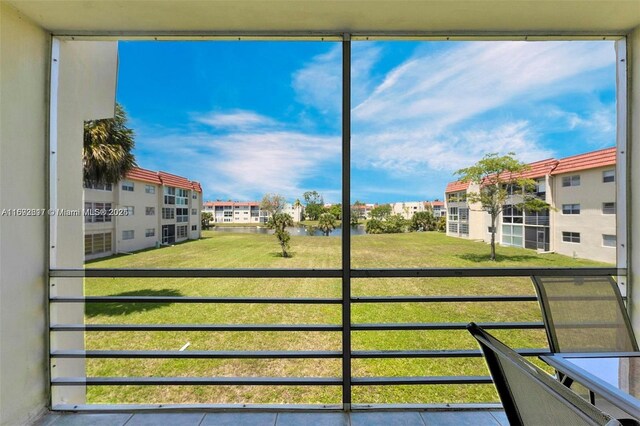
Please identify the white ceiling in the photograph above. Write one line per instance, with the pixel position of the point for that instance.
(450, 16)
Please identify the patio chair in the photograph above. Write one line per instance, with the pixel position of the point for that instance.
(529, 395)
(584, 314)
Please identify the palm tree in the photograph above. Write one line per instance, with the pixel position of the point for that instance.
(106, 154)
(326, 223)
(279, 223)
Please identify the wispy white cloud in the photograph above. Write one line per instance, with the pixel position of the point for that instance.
(430, 111)
(235, 120)
(319, 83)
(242, 165)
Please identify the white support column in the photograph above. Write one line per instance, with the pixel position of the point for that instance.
(621, 162)
(83, 90)
(633, 179)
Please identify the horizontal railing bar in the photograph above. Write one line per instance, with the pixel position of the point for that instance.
(194, 273)
(445, 326)
(238, 407)
(220, 381)
(484, 272)
(445, 353)
(437, 299)
(195, 327)
(195, 354)
(329, 273)
(420, 380)
(181, 299)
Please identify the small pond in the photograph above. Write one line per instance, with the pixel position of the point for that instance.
(293, 230)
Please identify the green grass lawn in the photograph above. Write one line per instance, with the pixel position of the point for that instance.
(228, 250)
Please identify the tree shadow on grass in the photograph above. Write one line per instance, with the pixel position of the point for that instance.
(279, 255)
(477, 258)
(126, 308)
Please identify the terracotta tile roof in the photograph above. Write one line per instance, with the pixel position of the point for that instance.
(169, 179)
(590, 160)
(437, 203)
(144, 175)
(539, 169)
(160, 178)
(231, 204)
(456, 186)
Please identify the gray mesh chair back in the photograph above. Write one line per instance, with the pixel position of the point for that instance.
(529, 395)
(584, 314)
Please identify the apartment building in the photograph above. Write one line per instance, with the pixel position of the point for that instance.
(581, 222)
(247, 212)
(146, 209)
(408, 208)
(437, 207)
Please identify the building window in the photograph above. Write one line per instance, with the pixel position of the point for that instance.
(98, 186)
(512, 214)
(194, 227)
(512, 235)
(571, 180)
(609, 176)
(127, 235)
(130, 210)
(150, 211)
(194, 195)
(608, 240)
(194, 211)
(464, 217)
(571, 209)
(150, 232)
(453, 214)
(169, 195)
(97, 212)
(181, 231)
(457, 197)
(464, 228)
(182, 197)
(168, 213)
(541, 188)
(97, 243)
(127, 185)
(609, 208)
(228, 213)
(150, 189)
(453, 228)
(571, 237)
(182, 215)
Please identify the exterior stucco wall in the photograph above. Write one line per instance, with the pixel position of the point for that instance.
(24, 50)
(139, 222)
(591, 223)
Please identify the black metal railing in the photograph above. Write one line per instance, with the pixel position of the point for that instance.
(347, 381)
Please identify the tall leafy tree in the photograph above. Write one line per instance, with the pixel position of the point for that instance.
(423, 221)
(315, 205)
(326, 223)
(499, 179)
(336, 210)
(356, 212)
(107, 151)
(272, 203)
(206, 220)
(381, 212)
(279, 222)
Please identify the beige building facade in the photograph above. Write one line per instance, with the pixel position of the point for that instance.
(247, 212)
(581, 221)
(146, 209)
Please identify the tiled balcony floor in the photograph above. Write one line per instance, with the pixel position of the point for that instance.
(362, 418)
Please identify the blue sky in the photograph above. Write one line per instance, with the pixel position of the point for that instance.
(247, 118)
